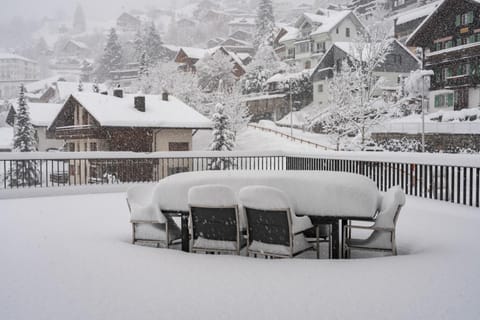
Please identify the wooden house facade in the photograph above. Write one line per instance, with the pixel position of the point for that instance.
(450, 39)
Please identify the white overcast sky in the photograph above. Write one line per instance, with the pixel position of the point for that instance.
(94, 9)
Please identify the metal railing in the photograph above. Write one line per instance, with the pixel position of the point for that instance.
(449, 177)
(284, 135)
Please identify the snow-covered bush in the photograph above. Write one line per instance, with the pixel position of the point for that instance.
(401, 145)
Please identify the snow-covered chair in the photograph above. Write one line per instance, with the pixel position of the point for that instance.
(215, 219)
(383, 236)
(149, 225)
(273, 229)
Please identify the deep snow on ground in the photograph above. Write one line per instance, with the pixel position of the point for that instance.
(70, 258)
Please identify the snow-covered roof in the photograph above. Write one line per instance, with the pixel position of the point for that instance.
(195, 53)
(420, 26)
(15, 57)
(415, 13)
(42, 114)
(243, 21)
(79, 44)
(283, 77)
(6, 137)
(41, 84)
(292, 34)
(66, 88)
(256, 97)
(112, 111)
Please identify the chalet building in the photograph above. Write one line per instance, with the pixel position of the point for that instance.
(450, 39)
(407, 21)
(398, 64)
(60, 91)
(15, 70)
(41, 116)
(128, 22)
(136, 123)
(267, 106)
(75, 48)
(187, 58)
(313, 34)
(245, 24)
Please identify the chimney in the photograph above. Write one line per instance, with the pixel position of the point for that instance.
(118, 93)
(165, 96)
(140, 103)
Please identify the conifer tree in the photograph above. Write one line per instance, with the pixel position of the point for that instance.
(24, 173)
(265, 24)
(80, 85)
(153, 45)
(112, 58)
(223, 138)
(79, 22)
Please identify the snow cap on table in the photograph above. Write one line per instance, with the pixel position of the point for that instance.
(212, 195)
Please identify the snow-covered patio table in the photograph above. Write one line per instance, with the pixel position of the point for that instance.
(328, 197)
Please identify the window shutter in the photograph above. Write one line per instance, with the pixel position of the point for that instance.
(450, 100)
(437, 101)
(470, 17)
(471, 39)
(457, 20)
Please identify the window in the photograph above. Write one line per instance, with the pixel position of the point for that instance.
(320, 47)
(471, 39)
(71, 147)
(93, 146)
(447, 72)
(308, 64)
(291, 52)
(347, 32)
(320, 88)
(178, 146)
(444, 100)
(448, 44)
(336, 30)
(464, 19)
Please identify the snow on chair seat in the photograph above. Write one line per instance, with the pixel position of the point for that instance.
(149, 225)
(383, 233)
(215, 219)
(271, 223)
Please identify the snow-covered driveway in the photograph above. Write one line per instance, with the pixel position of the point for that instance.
(70, 258)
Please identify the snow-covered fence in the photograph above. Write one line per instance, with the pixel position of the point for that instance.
(282, 134)
(447, 177)
(77, 168)
(430, 127)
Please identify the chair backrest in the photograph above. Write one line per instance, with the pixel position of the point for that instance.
(141, 194)
(268, 214)
(393, 200)
(214, 213)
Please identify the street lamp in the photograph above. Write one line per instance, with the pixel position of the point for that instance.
(291, 107)
(424, 74)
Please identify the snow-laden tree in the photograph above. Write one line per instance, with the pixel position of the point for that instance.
(265, 24)
(415, 86)
(80, 86)
(183, 85)
(343, 95)
(215, 72)
(143, 62)
(223, 138)
(24, 173)
(265, 64)
(153, 45)
(79, 21)
(138, 43)
(234, 107)
(112, 58)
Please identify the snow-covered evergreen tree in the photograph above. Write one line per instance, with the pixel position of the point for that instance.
(153, 45)
(234, 107)
(24, 173)
(112, 58)
(265, 24)
(80, 86)
(264, 65)
(143, 69)
(215, 72)
(79, 22)
(138, 43)
(223, 138)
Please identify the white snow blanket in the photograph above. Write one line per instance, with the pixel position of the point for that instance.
(321, 193)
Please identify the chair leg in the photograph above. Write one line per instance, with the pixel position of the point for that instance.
(317, 233)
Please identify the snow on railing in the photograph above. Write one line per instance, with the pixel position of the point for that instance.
(448, 177)
(282, 134)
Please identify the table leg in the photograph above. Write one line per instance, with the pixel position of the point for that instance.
(342, 224)
(335, 240)
(185, 235)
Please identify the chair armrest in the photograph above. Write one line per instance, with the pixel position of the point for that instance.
(368, 228)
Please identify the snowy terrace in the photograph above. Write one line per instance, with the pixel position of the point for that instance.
(70, 257)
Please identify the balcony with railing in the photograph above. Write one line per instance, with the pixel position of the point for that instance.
(452, 178)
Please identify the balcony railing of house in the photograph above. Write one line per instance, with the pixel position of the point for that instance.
(452, 178)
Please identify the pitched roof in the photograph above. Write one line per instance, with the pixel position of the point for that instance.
(15, 57)
(41, 114)
(66, 88)
(416, 13)
(111, 111)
